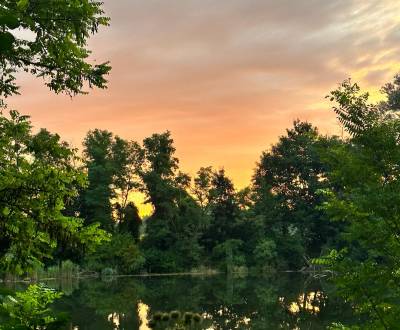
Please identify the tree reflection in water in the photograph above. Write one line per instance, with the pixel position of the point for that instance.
(280, 301)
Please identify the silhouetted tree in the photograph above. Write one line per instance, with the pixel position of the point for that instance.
(99, 163)
(171, 240)
(130, 221)
(286, 184)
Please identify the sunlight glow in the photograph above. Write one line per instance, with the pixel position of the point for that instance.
(143, 312)
(306, 302)
(114, 319)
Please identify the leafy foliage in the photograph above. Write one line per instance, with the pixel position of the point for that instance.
(286, 188)
(365, 197)
(53, 45)
(172, 231)
(112, 165)
(120, 253)
(37, 176)
(29, 310)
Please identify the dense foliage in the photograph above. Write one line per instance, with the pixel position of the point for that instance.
(364, 195)
(52, 45)
(276, 223)
(38, 176)
(29, 310)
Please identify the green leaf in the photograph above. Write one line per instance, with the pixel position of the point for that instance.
(6, 41)
(22, 4)
(9, 20)
(6, 211)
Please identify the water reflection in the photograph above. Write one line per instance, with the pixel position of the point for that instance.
(288, 301)
(114, 319)
(143, 314)
(309, 302)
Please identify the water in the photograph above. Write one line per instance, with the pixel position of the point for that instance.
(280, 301)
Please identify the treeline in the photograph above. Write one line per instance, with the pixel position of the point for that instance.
(197, 223)
(203, 222)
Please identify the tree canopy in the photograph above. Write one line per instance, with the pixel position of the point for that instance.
(48, 38)
(364, 196)
(37, 177)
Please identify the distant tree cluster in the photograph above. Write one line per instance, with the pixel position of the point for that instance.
(273, 224)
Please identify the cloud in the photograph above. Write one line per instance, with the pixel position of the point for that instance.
(226, 77)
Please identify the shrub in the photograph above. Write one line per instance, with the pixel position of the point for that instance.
(229, 254)
(28, 310)
(120, 253)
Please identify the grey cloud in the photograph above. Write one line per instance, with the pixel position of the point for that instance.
(204, 41)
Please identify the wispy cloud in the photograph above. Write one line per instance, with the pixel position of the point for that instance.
(226, 77)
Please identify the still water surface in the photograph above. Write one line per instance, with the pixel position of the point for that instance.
(279, 301)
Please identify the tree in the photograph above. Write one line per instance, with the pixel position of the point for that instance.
(97, 196)
(37, 177)
(126, 160)
(121, 254)
(223, 208)
(202, 186)
(222, 237)
(113, 166)
(365, 196)
(158, 174)
(286, 184)
(130, 221)
(56, 47)
(171, 240)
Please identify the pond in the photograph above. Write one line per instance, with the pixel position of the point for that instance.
(278, 301)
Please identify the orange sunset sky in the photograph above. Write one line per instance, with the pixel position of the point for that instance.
(225, 77)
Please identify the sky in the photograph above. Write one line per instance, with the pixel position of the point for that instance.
(225, 77)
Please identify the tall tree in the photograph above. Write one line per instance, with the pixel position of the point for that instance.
(37, 177)
(171, 241)
(286, 184)
(113, 169)
(100, 167)
(127, 158)
(223, 208)
(202, 186)
(223, 236)
(365, 196)
(56, 47)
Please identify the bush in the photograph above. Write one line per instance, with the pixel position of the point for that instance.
(29, 310)
(229, 255)
(158, 261)
(69, 269)
(120, 253)
(265, 253)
